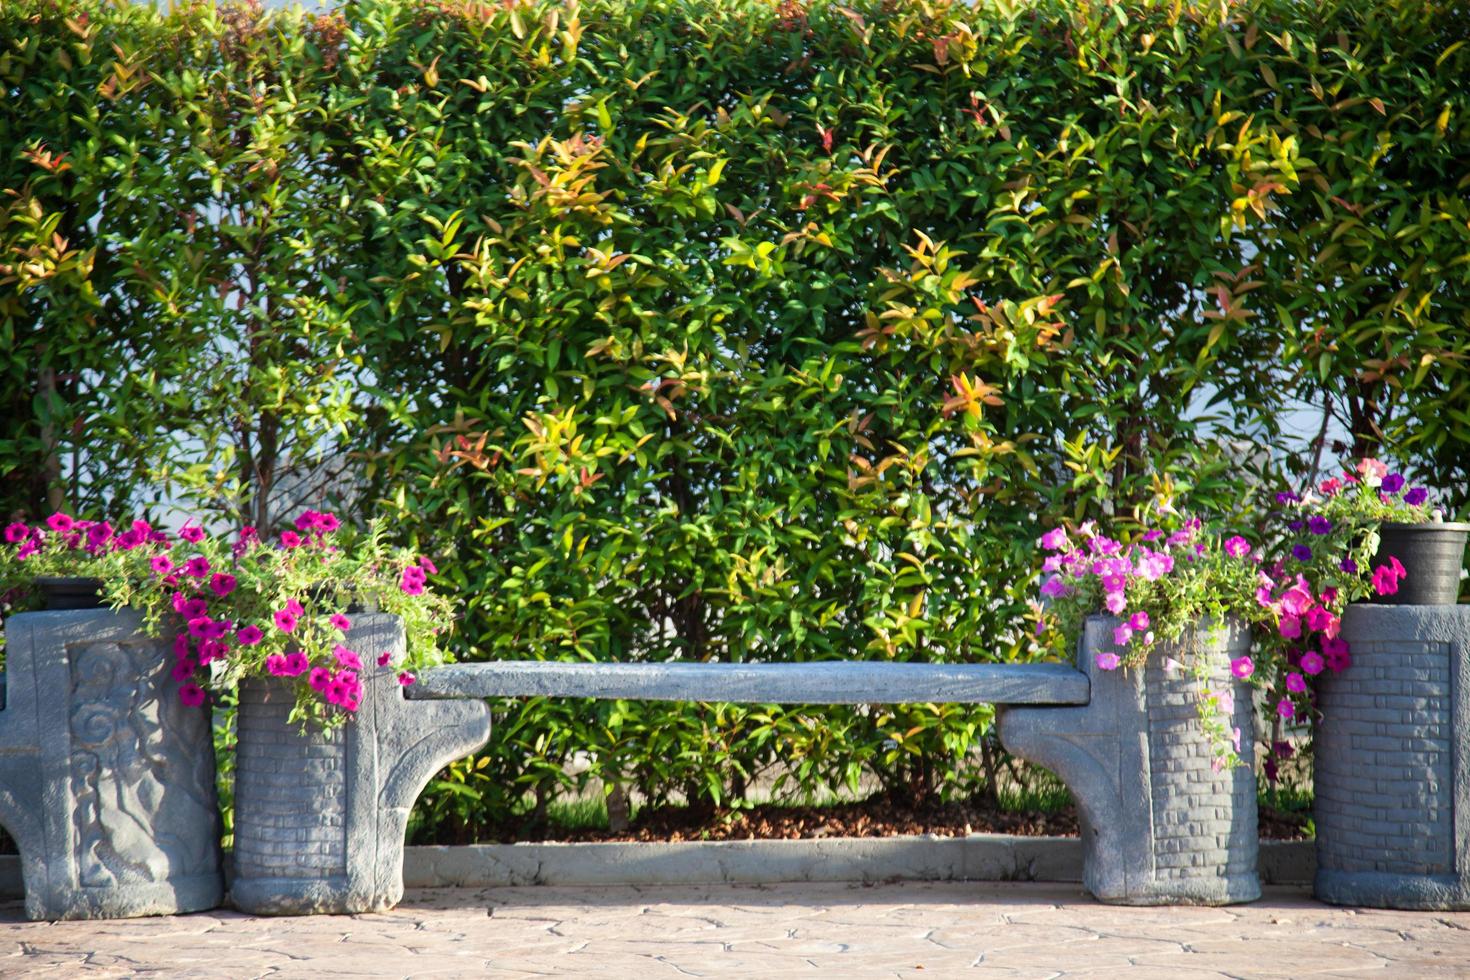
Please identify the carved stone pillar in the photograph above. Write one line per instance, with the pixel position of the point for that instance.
(106, 778)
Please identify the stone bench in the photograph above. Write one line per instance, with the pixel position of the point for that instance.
(1090, 727)
(92, 720)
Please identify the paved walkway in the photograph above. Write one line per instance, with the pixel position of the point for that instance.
(911, 930)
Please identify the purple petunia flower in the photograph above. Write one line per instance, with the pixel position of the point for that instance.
(1416, 496)
(1301, 552)
(1318, 524)
(1392, 483)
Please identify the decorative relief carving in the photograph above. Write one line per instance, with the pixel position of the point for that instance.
(137, 810)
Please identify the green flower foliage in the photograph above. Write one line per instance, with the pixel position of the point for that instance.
(727, 329)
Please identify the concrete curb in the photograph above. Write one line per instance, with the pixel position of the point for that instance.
(978, 857)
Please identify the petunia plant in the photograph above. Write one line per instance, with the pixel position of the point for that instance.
(1329, 544)
(1159, 585)
(250, 607)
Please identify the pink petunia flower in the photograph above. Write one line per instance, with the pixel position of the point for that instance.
(1285, 708)
(60, 522)
(1295, 682)
(161, 564)
(199, 627)
(192, 533)
(275, 665)
(1312, 662)
(191, 694)
(1122, 634)
(284, 620)
(248, 636)
(1115, 603)
(346, 658)
(1290, 627)
(413, 584)
(296, 663)
(1318, 619)
(222, 584)
(1139, 621)
(295, 608)
(428, 565)
(16, 533)
(212, 650)
(1242, 667)
(290, 539)
(1104, 661)
(341, 622)
(405, 678)
(320, 679)
(197, 567)
(327, 523)
(1385, 582)
(1237, 547)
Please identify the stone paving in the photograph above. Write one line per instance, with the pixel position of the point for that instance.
(910, 930)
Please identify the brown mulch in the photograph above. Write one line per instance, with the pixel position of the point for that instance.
(870, 818)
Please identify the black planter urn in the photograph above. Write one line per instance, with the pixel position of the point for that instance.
(1431, 554)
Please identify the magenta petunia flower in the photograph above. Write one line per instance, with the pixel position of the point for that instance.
(1336, 652)
(284, 620)
(295, 608)
(275, 665)
(327, 523)
(161, 564)
(98, 535)
(212, 650)
(346, 658)
(1285, 708)
(428, 565)
(197, 567)
(60, 522)
(307, 521)
(296, 663)
(340, 621)
(17, 532)
(199, 627)
(248, 636)
(191, 694)
(1115, 603)
(290, 539)
(128, 540)
(181, 645)
(1290, 627)
(1237, 547)
(406, 678)
(195, 608)
(1105, 661)
(182, 670)
(192, 533)
(1318, 619)
(413, 584)
(1295, 682)
(1385, 582)
(1242, 667)
(1139, 621)
(320, 679)
(222, 583)
(1122, 634)
(384, 657)
(1312, 663)
(27, 548)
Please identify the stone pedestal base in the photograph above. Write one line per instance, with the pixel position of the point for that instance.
(106, 778)
(1392, 766)
(320, 817)
(1160, 825)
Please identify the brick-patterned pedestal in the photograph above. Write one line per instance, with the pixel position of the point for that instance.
(1160, 824)
(320, 816)
(1392, 768)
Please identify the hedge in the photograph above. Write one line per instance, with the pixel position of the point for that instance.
(729, 329)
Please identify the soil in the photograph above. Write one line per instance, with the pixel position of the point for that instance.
(870, 818)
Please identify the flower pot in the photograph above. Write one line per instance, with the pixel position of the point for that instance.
(1161, 824)
(320, 815)
(70, 592)
(1391, 773)
(1432, 554)
(106, 777)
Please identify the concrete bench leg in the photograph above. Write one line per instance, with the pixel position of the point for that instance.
(106, 778)
(320, 817)
(1159, 825)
